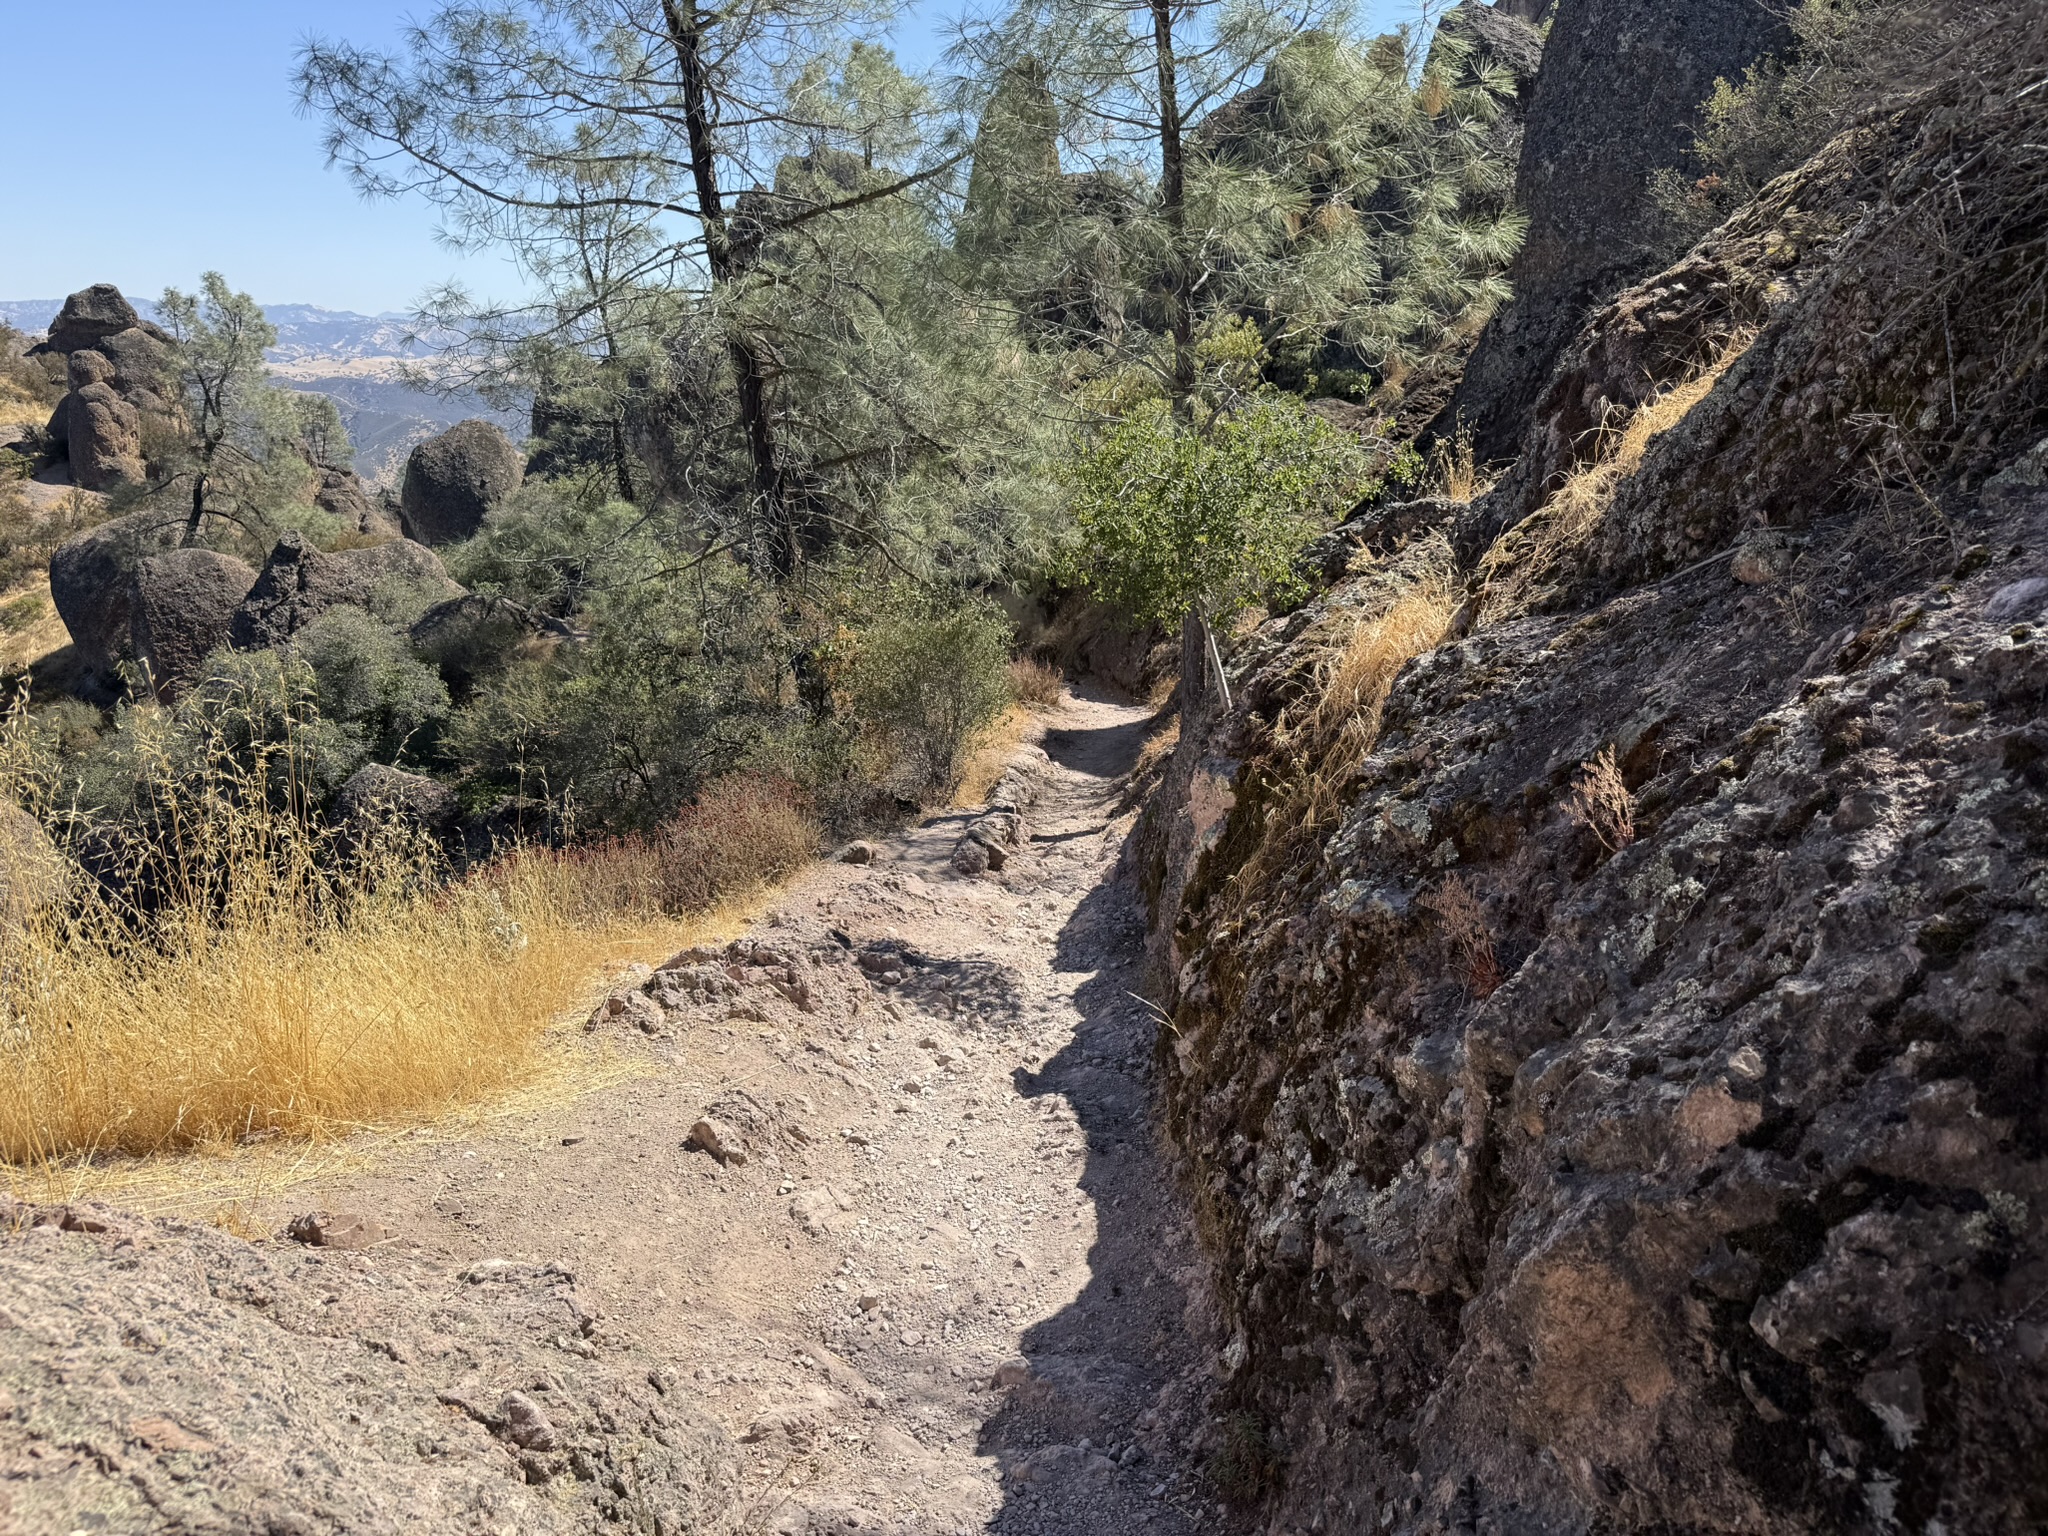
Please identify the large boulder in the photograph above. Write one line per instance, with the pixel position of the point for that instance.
(1618, 99)
(452, 480)
(142, 363)
(89, 317)
(342, 493)
(181, 608)
(92, 585)
(299, 583)
(103, 435)
(377, 795)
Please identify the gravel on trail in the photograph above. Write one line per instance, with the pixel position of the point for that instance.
(880, 1240)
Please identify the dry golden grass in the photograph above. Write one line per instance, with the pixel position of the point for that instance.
(1158, 747)
(289, 1023)
(260, 981)
(29, 627)
(19, 408)
(1454, 470)
(1036, 684)
(1319, 744)
(991, 755)
(1524, 562)
(1600, 802)
(1471, 940)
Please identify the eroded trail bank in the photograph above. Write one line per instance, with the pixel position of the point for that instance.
(936, 1278)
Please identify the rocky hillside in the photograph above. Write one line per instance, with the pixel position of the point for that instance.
(355, 360)
(1603, 941)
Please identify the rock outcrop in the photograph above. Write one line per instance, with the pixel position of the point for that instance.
(91, 585)
(182, 605)
(115, 366)
(341, 493)
(471, 634)
(453, 480)
(89, 317)
(1611, 1090)
(299, 583)
(1618, 99)
(376, 794)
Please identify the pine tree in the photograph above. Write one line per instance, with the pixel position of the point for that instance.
(241, 445)
(1213, 161)
(636, 156)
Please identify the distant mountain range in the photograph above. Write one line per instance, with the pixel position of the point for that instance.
(354, 360)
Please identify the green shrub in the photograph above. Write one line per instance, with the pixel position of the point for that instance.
(1173, 519)
(1786, 107)
(18, 613)
(551, 547)
(930, 678)
(681, 678)
(37, 380)
(370, 685)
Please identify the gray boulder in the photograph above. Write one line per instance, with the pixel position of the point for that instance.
(1617, 100)
(103, 435)
(465, 636)
(180, 610)
(1375, 529)
(299, 583)
(378, 795)
(86, 366)
(92, 585)
(342, 494)
(452, 480)
(141, 367)
(89, 317)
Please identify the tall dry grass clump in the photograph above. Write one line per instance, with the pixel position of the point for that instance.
(229, 965)
(1600, 801)
(1321, 740)
(743, 835)
(1036, 684)
(1526, 564)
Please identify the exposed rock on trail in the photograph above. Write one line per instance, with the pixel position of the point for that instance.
(159, 1376)
(882, 1217)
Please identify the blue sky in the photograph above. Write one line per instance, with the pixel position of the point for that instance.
(160, 140)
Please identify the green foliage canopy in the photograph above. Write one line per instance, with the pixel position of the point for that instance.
(1207, 520)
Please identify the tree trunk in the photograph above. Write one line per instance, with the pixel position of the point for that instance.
(198, 513)
(685, 31)
(1180, 279)
(622, 461)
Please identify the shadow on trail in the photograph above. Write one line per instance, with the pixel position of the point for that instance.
(1074, 1460)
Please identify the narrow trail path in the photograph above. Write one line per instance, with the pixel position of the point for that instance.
(947, 1287)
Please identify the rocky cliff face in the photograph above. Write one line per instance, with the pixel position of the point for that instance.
(1610, 1072)
(1618, 100)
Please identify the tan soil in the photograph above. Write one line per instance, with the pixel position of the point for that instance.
(950, 1180)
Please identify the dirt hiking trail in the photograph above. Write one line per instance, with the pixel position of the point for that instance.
(937, 1282)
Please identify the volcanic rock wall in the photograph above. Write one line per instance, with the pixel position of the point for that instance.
(1616, 1099)
(1617, 101)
